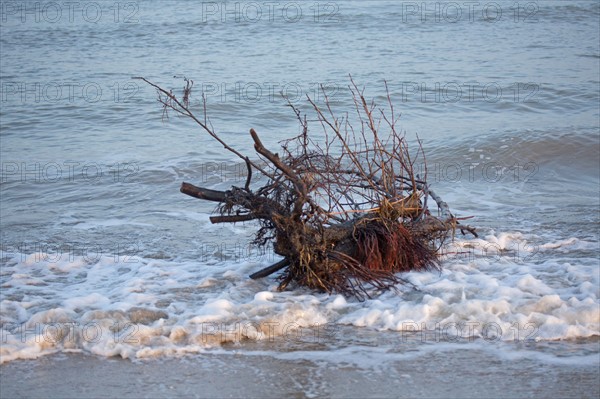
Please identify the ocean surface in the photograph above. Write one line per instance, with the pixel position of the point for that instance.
(101, 253)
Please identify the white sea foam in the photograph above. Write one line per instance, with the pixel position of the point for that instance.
(156, 307)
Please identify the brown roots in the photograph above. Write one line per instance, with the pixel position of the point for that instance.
(346, 214)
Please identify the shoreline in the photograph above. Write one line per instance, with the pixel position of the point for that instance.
(446, 374)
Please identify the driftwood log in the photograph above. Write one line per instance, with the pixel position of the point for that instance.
(347, 213)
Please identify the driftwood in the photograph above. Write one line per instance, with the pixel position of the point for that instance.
(347, 213)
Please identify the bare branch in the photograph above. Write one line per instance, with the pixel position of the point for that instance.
(345, 214)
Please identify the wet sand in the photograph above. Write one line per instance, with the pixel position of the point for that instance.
(457, 374)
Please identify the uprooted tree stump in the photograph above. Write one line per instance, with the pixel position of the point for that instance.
(346, 214)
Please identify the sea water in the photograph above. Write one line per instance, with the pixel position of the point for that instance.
(101, 253)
